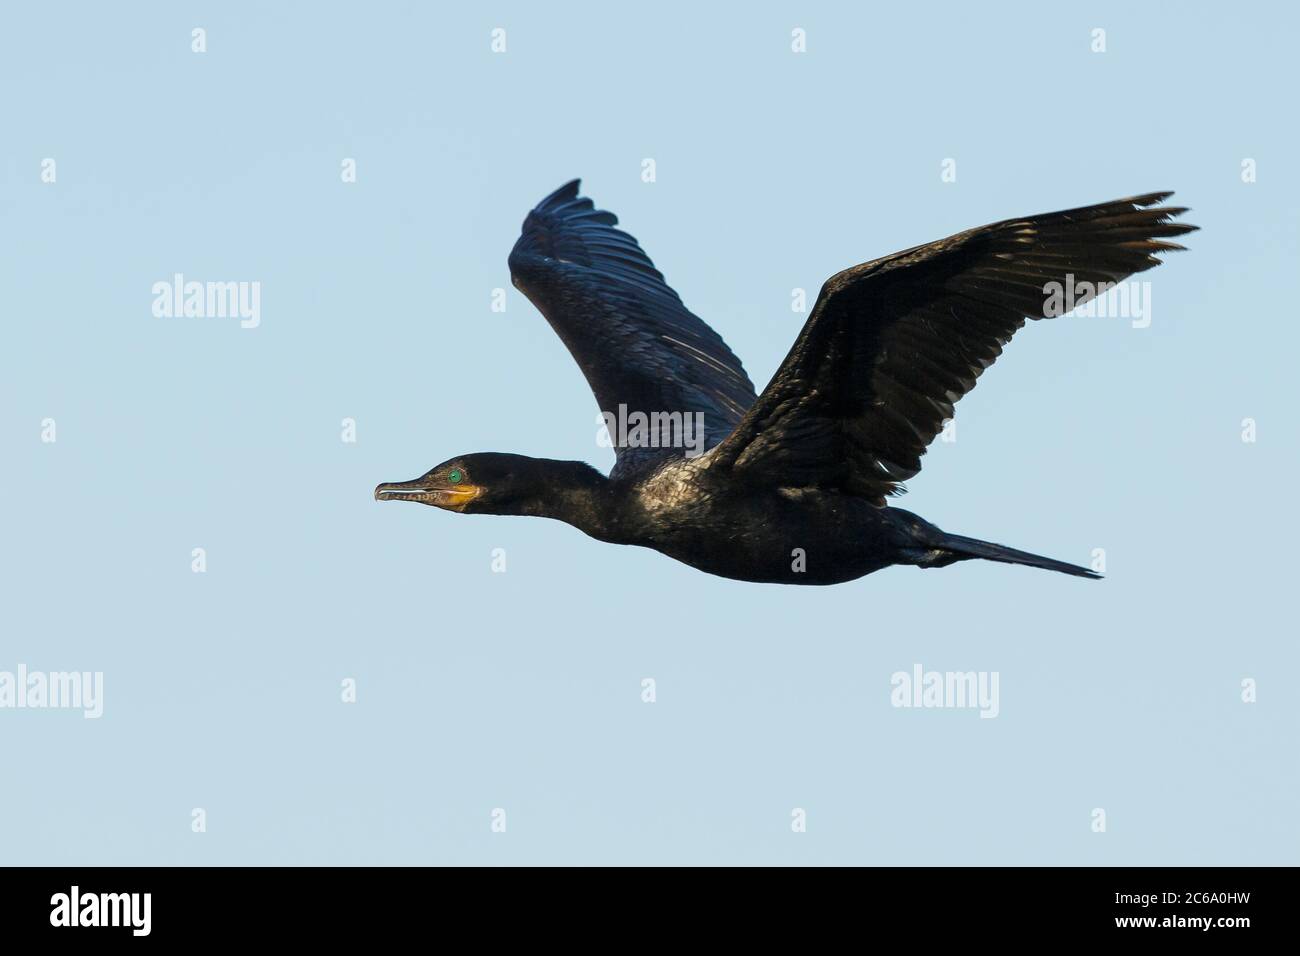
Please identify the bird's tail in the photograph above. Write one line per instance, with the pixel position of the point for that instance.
(963, 549)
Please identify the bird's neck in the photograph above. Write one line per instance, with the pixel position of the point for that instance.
(575, 493)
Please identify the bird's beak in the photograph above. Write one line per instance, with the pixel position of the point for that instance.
(453, 499)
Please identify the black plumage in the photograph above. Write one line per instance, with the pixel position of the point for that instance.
(626, 328)
(792, 485)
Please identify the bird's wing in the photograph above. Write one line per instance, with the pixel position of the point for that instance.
(891, 345)
(637, 344)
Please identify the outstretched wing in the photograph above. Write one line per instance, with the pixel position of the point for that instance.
(640, 348)
(891, 345)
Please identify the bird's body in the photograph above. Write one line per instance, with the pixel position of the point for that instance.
(780, 535)
(790, 486)
(784, 536)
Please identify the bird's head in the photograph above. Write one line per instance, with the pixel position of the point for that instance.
(495, 483)
(467, 483)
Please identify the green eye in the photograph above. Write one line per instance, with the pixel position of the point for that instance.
(455, 476)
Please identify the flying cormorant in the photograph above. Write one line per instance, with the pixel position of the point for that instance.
(791, 484)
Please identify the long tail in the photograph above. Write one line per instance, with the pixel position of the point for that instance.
(965, 548)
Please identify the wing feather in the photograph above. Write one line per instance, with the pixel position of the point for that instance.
(891, 345)
(637, 344)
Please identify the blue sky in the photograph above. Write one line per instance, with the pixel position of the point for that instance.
(522, 691)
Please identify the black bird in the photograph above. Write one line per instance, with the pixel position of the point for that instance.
(791, 484)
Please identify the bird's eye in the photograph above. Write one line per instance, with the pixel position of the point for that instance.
(455, 476)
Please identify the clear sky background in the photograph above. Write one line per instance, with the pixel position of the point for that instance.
(522, 691)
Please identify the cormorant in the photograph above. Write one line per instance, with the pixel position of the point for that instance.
(791, 484)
